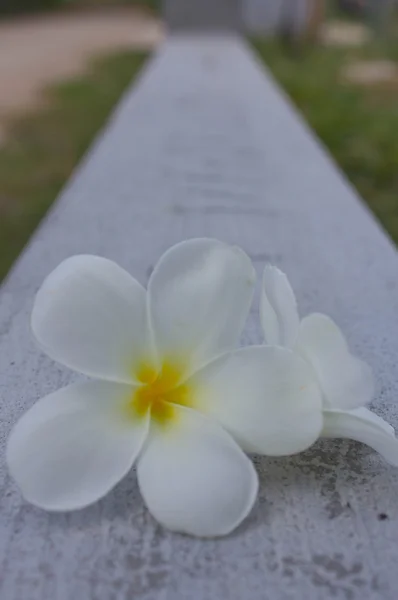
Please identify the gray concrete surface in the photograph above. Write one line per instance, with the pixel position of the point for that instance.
(205, 145)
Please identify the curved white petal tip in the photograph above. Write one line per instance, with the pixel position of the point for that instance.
(72, 447)
(266, 397)
(195, 479)
(199, 296)
(363, 426)
(278, 309)
(90, 315)
(346, 381)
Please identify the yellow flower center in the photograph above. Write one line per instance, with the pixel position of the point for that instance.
(160, 391)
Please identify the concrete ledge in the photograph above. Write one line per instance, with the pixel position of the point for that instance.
(206, 145)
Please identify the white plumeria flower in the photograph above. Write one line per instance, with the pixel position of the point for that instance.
(172, 395)
(346, 382)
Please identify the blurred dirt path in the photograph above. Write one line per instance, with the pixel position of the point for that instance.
(342, 33)
(37, 51)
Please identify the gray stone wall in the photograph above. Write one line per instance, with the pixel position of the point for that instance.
(203, 15)
(269, 16)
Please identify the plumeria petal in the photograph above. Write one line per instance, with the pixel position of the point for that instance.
(278, 310)
(194, 477)
(346, 381)
(266, 397)
(199, 296)
(74, 445)
(363, 426)
(90, 315)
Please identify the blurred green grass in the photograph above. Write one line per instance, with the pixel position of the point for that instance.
(358, 124)
(42, 149)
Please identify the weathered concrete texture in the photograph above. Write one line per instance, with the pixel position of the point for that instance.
(206, 145)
